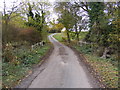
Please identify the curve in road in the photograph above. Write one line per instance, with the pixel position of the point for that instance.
(63, 70)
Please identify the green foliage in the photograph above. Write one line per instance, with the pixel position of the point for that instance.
(60, 37)
(37, 21)
(84, 49)
(8, 53)
(96, 19)
(67, 19)
(17, 38)
(18, 21)
(96, 11)
(103, 32)
(56, 28)
(17, 67)
(30, 13)
(105, 68)
(82, 35)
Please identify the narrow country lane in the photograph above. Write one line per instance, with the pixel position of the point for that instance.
(63, 70)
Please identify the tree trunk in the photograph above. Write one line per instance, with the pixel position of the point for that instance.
(76, 32)
(5, 30)
(68, 36)
(105, 53)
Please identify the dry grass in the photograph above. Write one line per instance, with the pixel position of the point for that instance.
(107, 72)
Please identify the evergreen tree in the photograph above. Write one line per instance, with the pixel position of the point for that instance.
(96, 14)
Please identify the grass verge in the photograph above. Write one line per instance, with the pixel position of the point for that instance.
(107, 72)
(106, 69)
(59, 36)
(25, 59)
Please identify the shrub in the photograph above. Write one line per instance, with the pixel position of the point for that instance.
(64, 39)
(10, 34)
(8, 53)
(30, 35)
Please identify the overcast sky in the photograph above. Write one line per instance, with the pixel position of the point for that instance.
(9, 4)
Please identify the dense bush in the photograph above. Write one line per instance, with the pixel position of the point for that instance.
(30, 35)
(14, 34)
(9, 33)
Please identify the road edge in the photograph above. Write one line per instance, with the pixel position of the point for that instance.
(26, 81)
(90, 69)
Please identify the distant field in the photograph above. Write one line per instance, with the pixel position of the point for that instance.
(60, 37)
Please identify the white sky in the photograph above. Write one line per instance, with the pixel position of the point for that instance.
(9, 4)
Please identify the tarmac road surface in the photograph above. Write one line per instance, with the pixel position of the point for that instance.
(63, 70)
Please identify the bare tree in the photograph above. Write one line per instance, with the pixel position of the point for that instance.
(8, 15)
